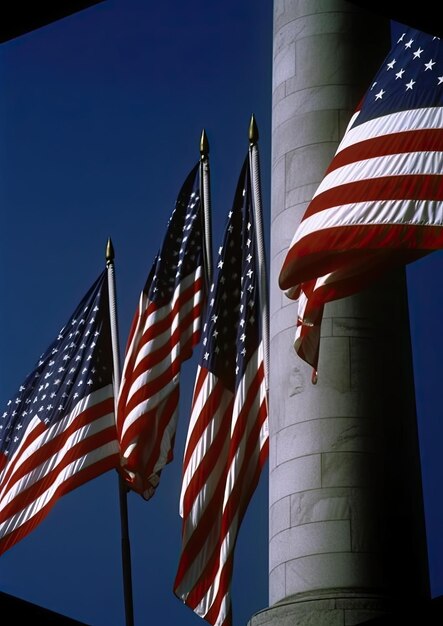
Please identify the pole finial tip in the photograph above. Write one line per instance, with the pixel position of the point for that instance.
(109, 251)
(204, 145)
(253, 131)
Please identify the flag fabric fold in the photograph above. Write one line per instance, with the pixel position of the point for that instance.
(58, 431)
(165, 328)
(227, 439)
(380, 203)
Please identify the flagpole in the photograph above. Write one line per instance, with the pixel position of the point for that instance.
(254, 163)
(206, 203)
(126, 550)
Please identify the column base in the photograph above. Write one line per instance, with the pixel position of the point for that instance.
(329, 608)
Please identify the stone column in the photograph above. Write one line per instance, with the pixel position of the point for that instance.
(346, 523)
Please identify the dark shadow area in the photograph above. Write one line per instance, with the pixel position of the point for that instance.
(423, 18)
(18, 18)
(428, 613)
(19, 610)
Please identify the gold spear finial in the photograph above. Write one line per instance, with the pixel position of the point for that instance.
(109, 251)
(204, 145)
(253, 131)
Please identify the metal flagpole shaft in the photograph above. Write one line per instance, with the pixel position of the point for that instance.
(206, 203)
(256, 190)
(126, 550)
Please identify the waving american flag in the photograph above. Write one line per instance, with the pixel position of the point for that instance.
(380, 203)
(165, 328)
(58, 431)
(227, 441)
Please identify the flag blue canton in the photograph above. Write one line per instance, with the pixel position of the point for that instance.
(410, 78)
(77, 363)
(181, 250)
(232, 329)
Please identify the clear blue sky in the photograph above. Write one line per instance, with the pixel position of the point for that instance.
(100, 121)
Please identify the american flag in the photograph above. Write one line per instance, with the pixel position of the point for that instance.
(165, 328)
(58, 431)
(227, 440)
(380, 203)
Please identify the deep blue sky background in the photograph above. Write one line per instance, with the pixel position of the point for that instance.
(100, 121)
